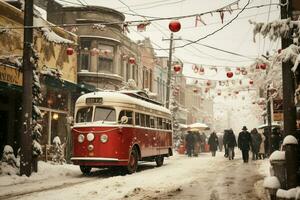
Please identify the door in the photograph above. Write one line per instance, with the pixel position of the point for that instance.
(3, 130)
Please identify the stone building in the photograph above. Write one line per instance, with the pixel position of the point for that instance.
(160, 76)
(107, 57)
(51, 44)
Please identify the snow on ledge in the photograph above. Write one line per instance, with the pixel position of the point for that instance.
(271, 182)
(277, 155)
(289, 139)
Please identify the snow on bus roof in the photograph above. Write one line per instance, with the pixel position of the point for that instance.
(120, 97)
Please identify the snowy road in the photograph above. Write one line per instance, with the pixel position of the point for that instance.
(202, 177)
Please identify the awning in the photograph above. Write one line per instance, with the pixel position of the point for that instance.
(274, 124)
(198, 126)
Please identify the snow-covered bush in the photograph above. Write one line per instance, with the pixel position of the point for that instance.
(9, 164)
(58, 151)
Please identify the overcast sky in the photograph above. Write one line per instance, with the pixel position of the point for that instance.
(237, 37)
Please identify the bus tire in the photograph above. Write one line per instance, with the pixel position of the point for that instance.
(159, 161)
(132, 162)
(86, 170)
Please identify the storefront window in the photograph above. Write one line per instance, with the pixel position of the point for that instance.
(58, 126)
(56, 99)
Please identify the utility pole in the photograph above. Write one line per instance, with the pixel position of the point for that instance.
(269, 120)
(289, 109)
(169, 72)
(26, 137)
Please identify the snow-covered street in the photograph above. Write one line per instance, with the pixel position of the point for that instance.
(202, 177)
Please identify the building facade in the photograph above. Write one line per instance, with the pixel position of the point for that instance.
(107, 57)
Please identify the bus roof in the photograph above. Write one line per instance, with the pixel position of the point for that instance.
(121, 97)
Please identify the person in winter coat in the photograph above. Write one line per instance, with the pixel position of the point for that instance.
(262, 153)
(190, 140)
(244, 143)
(231, 143)
(225, 142)
(197, 139)
(213, 143)
(256, 141)
(276, 139)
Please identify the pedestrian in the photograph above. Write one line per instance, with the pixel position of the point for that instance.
(266, 143)
(220, 141)
(189, 143)
(256, 141)
(231, 143)
(244, 143)
(276, 139)
(213, 143)
(197, 143)
(203, 142)
(262, 153)
(225, 142)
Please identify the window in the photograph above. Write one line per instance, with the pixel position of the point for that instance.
(164, 124)
(84, 61)
(105, 114)
(126, 113)
(152, 124)
(159, 123)
(137, 119)
(84, 115)
(142, 118)
(147, 121)
(105, 64)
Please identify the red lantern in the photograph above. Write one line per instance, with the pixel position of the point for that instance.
(174, 26)
(177, 68)
(263, 66)
(132, 60)
(229, 74)
(251, 82)
(70, 51)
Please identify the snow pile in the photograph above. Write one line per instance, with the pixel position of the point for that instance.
(277, 155)
(271, 182)
(289, 139)
(288, 194)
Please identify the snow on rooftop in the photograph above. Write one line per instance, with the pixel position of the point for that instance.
(289, 139)
(288, 194)
(271, 182)
(277, 155)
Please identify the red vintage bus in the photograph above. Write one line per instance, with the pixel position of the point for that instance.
(120, 129)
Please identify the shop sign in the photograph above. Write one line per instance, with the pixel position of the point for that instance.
(10, 75)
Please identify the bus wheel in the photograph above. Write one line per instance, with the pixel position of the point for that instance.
(159, 161)
(86, 170)
(133, 162)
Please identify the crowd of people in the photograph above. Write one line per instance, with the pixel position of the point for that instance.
(260, 143)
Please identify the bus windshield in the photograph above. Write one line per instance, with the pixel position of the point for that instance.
(105, 114)
(84, 115)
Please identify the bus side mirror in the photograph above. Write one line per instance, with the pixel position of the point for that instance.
(124, 119)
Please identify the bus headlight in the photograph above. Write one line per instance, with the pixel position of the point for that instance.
(80, 138)
(104, 138)
(90, 137)
(90, 147)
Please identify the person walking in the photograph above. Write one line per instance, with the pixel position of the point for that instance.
(244, 143)
(231, 143)
(190, 140)
(220, 141)
(213, 143)
(262, 152)
(197, 142)
(275, 140)
(256, 141)
(225, 142)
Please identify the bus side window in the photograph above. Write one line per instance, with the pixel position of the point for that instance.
(147, 121)
(159, 123)
(152, 124)
(137, 119)
(142, 116)
(126, 113)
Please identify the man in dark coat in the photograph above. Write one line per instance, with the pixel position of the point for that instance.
(190, 140)
(213, 143)
(225, 142)
(256, 141)
(244, 143)
(231, 143)
(275, 140)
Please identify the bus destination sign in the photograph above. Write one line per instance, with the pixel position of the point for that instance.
(96, 100)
